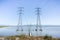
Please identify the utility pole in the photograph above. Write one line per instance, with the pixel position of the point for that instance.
(38, 26)
(30, 34)
(20, 19)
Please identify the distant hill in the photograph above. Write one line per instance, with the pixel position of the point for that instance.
(3, 26)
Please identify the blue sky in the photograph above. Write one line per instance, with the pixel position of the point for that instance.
(50, 11)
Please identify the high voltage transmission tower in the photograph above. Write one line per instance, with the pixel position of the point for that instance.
(38, 26)
(20, 19)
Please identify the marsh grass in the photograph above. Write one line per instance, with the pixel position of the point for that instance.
(24, 37)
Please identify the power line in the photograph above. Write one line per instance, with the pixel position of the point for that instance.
(42, 3)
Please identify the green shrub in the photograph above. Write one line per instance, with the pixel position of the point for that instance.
(47, 37)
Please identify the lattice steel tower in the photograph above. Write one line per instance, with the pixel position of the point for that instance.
(20, 19)
(38, 26)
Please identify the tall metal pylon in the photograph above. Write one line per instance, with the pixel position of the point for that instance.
(38, 26)
(20, 19)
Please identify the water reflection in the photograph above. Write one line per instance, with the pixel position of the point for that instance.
(8, 31)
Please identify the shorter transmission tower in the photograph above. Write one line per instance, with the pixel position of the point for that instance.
(20, 19)
(38, 26)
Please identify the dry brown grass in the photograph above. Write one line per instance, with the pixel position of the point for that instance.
(24, 37)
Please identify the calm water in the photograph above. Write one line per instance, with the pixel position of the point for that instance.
(49, 30)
